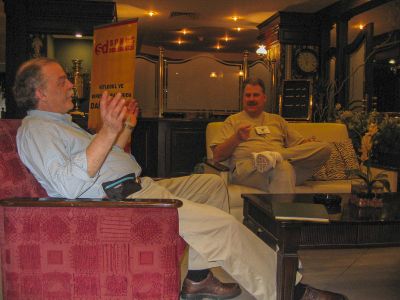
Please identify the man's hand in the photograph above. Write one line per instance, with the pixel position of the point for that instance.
(225, 150)
(309, 139)
(132, 113)
(113, 111)
(243, 132)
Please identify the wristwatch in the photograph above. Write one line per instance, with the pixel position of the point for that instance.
(129, 126)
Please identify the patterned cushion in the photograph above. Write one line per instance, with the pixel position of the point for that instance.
(343, 157)
(15, 179)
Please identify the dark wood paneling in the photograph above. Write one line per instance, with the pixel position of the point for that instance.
(187, 148)
(169, 147)
(145, 146)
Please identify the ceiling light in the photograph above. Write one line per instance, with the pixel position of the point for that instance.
(218, 46)
(213, 75)
(78, 35)
(238, 29)
(184, 31)
(392, 61)
(235, 18)
(226, 38)
(262, 50)
(152, 13)
(361, 26)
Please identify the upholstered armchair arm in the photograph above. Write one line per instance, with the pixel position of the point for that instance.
(211, 167)
(91, 248)
(62, 202)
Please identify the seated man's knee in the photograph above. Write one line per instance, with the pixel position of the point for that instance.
(283, 178)
(284, 168)
(325, 151)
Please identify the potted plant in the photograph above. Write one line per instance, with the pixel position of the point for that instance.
(367, 195)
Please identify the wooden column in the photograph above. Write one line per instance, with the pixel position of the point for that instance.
(341, 61)
(161, 76)
(369, 69)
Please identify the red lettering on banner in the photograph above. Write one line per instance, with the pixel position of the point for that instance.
(121, 44)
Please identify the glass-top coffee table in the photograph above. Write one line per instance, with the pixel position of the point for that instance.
(350, 226)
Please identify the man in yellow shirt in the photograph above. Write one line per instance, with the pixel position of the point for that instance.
(249, 139)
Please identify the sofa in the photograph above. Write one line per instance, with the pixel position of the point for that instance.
(331, 178)
(86, 248)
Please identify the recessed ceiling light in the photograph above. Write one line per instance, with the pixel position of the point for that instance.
(185, 31)
(78, 35)
(179, 41)
(152, 13)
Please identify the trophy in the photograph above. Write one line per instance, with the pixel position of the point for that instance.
(78, 83)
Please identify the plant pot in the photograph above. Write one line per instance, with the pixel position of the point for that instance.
(363, 199)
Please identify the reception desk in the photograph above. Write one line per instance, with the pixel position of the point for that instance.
(167, 147)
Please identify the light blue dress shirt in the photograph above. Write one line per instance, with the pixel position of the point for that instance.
(54, 150)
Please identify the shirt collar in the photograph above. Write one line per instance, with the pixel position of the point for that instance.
(67, 118)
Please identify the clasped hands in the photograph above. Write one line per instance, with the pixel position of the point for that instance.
(117, 112)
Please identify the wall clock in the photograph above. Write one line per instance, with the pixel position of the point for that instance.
(307, 61)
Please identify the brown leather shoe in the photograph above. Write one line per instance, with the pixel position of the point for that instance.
(210, 287)
(316, 294)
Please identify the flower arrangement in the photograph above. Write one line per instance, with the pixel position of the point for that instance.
(365, 157)
(385, 147)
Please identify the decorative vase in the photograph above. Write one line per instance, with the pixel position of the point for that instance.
(364, 197)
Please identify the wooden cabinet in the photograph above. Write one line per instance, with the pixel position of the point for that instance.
(169, 147)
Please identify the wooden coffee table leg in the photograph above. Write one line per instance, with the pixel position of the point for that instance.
(287, 260)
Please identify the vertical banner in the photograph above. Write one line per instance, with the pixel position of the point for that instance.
(113, 65)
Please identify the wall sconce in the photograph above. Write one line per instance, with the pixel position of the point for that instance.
(265, 55)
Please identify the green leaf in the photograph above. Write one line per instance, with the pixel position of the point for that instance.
(358, 173)
(384, 182)
(381, 175)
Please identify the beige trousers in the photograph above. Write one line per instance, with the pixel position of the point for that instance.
(300, 163)
(215, 237)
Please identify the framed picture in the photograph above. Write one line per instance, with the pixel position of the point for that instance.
(295, 102)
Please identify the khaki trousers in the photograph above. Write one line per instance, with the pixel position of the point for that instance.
(215, 237)
(300, 163)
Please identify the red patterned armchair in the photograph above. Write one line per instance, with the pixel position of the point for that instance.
(63, 249)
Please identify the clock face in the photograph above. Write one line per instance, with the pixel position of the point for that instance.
(307, 61)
